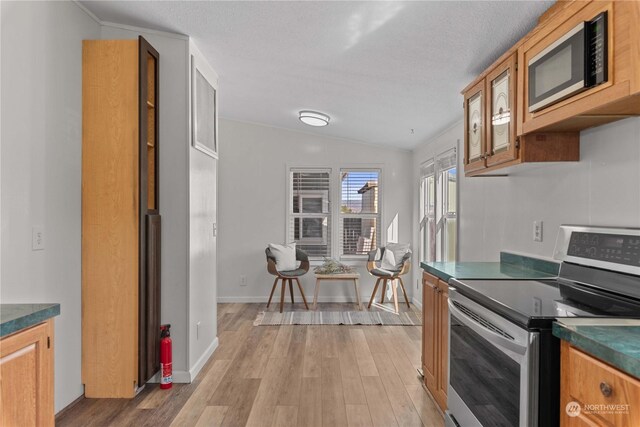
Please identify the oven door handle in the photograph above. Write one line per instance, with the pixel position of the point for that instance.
(489, 335)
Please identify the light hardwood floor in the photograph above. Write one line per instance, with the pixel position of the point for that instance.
(315, 375)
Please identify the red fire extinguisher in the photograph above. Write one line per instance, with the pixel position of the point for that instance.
(165, 357)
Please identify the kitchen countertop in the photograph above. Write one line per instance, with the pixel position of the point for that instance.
(615, 341)
(511, 266)
(15, 317)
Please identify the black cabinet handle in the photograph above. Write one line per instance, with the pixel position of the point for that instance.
(605, 389)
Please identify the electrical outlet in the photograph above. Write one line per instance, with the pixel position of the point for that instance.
(537, 231)
(198, 330)
(37, 238)
(537, 306)
(243, 280)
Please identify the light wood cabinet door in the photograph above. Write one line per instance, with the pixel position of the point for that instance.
(120, 207)
(501, 113)
(435, 337)
(474, 128)
(429, 331)
(443, 345)
(601, 394)
(26, 374)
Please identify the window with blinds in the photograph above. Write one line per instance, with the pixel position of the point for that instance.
(359, 216)
(310, 211)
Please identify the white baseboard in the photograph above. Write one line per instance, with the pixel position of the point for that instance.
(197, 367)
(181, 377)
(417, 303)
(186, 377)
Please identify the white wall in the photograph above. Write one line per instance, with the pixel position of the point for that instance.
(497, 214)
(41, 168)
(252, 196)
(174, 181)
(202, 242)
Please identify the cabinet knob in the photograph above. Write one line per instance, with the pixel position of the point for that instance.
(605, 389)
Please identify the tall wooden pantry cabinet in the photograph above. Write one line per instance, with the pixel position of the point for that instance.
(120, 217)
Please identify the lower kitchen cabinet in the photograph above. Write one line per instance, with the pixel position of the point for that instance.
(26, 371)
(435, 337)
(594, 393)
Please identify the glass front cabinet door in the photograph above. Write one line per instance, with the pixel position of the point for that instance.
(474, 131)
(501, 141)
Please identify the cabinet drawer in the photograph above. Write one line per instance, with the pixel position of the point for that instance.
(430, 279)
(595, 385)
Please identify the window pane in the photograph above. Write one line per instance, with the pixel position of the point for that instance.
(431, 240)
(431, 192)
(450, 176)
(359, 235)
(312, 228)
(450, 242)
(312, 204)
(359, 192)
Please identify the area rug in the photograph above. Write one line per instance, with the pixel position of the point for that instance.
(337, 318)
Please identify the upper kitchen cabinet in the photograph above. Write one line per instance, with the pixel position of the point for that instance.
(489, 104)
(580, 68)
(491, 141)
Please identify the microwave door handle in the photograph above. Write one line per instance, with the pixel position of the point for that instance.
(492, 337)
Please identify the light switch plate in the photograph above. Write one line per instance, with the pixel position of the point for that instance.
(37, 238)
(537, 231)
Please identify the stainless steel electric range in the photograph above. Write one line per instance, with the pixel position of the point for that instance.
(504, 362)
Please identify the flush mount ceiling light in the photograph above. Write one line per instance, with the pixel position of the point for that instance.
(313, 118)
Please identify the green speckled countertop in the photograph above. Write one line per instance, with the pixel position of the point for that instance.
(15, 317)
(615, 341)
(511, 266)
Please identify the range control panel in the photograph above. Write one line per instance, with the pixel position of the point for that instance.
(616, 248)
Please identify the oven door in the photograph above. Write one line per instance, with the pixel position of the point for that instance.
(493, 368)
(558, 71)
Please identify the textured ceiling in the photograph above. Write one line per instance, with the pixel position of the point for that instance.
(379, 69)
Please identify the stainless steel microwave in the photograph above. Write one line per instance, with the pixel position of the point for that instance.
(571, 64)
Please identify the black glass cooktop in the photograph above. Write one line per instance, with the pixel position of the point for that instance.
(523, 299)
(535, 304)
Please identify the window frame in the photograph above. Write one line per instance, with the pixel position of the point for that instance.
(335, 200)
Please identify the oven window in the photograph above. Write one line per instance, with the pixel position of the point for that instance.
(487, 380)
